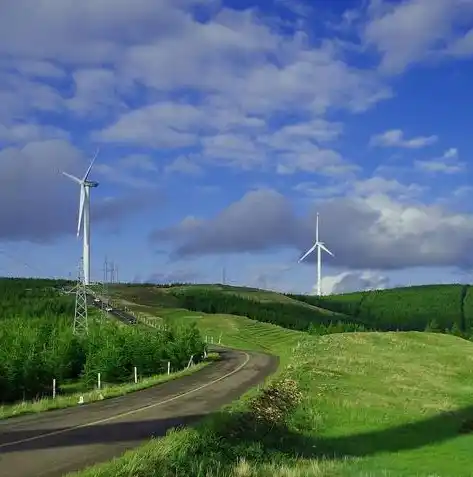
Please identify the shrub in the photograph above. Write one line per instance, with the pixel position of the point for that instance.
(276, 402)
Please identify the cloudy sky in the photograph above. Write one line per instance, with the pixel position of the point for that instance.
(224, 126)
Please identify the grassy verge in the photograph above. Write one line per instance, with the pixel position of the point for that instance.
(71, 399)
(374, 404)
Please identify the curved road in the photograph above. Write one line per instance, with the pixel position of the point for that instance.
(53, 443)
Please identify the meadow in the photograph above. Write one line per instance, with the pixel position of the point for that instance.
(38, 344)
(344, 404)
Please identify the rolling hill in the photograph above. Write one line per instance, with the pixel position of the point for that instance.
(435, 307)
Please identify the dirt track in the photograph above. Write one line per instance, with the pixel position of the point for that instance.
(56, 442)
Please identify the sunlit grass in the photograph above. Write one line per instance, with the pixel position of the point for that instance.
(376, 404)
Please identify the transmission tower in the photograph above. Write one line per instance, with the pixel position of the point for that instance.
(104, 298)
(80, 316)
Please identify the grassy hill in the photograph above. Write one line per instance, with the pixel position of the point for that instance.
(260, 305)
(407, 308)
(391, 404)
(437, 307)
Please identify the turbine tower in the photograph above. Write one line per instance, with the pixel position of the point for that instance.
(84, 210)
(319, 246)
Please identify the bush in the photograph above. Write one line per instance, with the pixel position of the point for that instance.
(276, 402)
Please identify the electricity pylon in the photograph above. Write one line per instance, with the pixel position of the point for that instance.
(81, 324)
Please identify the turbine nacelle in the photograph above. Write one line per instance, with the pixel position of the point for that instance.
(90, 184)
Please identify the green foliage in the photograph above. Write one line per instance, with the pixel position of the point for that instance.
(347, 304)
(39, 345)
(468, 310)
(30, 298)
(406, 309)
(285, 314)
(338, 327)
(433, 327)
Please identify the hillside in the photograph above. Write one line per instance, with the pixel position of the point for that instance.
(394, 404)
(407, 308)
(437, 307)
(373, 403)
(260, 305)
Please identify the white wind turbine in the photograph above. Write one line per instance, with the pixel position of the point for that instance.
(84, 210)
(319, 246)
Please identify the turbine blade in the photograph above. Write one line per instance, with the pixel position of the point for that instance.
(90, 167)
(81, 208)
(317, 228)
(74, 178)
(324, 248)
(311, 249)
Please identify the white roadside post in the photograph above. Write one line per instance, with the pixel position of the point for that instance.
(54, 388)
(136, 374)
(99, 383)
(169, 368)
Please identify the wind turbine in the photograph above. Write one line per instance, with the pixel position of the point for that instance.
(84, 210)
(319, 246)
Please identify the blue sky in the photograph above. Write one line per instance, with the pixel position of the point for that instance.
(224, 126)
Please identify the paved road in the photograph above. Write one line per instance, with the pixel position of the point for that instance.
(56, 442)
(122, 315)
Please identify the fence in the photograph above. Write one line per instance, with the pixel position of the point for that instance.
(135, 379)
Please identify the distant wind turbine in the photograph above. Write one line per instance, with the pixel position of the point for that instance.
(319, 246)
(84, 210)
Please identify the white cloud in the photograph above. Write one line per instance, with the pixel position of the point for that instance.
(114, 174)
(347, 282)
(96, 91)
(411, 31)
(374, 185)
(20, 96)
(374, 232)
(21, 133)
(395, 138)
(164, 125)
(139, 162)
(447, 164)
(39, 69)
(184, 165)
(237, 72)
(391, 187)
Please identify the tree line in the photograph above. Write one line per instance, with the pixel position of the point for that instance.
(38, 344)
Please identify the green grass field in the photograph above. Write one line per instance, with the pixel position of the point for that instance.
(375, 404)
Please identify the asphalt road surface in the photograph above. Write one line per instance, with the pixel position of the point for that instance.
(53, 443)
(121, 315)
